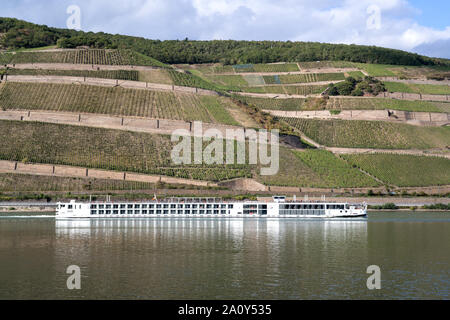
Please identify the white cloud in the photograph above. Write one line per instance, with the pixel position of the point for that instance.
(417, 35)
(333, 21)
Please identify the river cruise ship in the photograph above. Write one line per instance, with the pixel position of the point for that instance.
(210, 207)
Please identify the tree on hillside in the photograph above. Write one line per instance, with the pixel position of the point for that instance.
(22, 34)
(356, 87)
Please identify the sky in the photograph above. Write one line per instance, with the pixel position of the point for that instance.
(421, 26)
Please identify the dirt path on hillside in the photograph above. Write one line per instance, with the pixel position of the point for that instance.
(414, 96)
(242, 118)
(300, 84)
(384, 95)
(82, 67)
(135, 124)
(306, 71)
(164, 87)
(275, 95)
(81, 172)
(108, 83)
(415, 81)
(248, 185)
(429, 153)
(412, 118)
(95, 67)
(166, 126)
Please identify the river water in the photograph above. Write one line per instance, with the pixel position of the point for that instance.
(178, 258)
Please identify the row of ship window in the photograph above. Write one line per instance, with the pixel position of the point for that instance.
(153, 211)
(303, 212)
(162, 206)
(310, 206)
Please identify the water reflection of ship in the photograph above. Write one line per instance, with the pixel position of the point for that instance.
(235, 227)
(272, 233)
(251, 229)
(253, 249)
(72, 227)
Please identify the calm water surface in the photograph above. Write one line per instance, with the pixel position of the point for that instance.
(227, 259)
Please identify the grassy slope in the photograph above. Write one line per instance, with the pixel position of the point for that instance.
(228, 80)
(318, 169)
(336, 172)
(326, 64)
(405, 72)
(218, 110)
(311, 77)
(155, 76)
(194, 80)
(404, 170)
(417, 88)
(263, 67)
(372, 134)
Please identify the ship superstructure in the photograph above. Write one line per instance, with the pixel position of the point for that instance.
(210, 207)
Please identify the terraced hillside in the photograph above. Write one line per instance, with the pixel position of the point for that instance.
(243, 92)
(383, 70)
(311, 77)
(317, 168)
(236, 82)
(83, 56)
(115, 101)
(25, 182)
(404, 170)
(307, 65)
(249, 77)
(348, 103)
(103, 148)
(417, 88)
(272, 67)
(273, 104)
(405, 72)
(191, 80)
(387, 104)
(147, 153)
(371, 134)
(336, 172)
(105, 74)
(291, 90)
(209, 69)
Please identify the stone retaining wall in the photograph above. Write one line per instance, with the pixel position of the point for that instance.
(137, 124)
(108, 83)
(414, 96)
(415, 81)
(78, 172)
(414, 118)
(245, 184)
